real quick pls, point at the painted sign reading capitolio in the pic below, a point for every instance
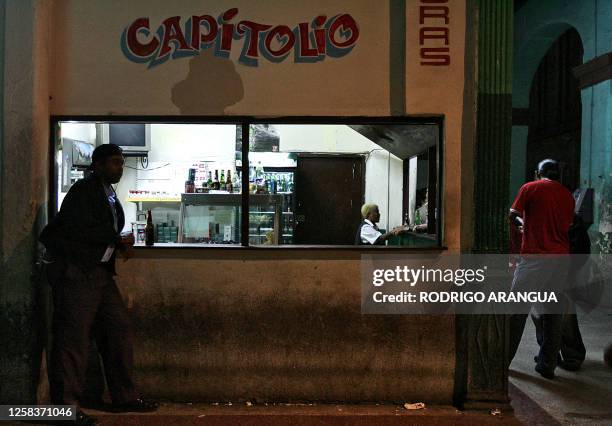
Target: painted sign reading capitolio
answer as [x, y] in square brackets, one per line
[307, 42]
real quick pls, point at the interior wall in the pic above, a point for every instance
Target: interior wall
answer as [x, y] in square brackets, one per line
[85, 132]
[384, 171]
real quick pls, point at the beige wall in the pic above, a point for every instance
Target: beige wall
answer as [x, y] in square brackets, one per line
[288, 327]
[88, 58]
[440, 90]
[92, 76]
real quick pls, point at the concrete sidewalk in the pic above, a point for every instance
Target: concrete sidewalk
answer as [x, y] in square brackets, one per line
[291, 414]
[582, 397]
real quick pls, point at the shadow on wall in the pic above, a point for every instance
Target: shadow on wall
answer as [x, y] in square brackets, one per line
[212, 85]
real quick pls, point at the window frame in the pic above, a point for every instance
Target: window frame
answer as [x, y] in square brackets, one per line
[245, 122]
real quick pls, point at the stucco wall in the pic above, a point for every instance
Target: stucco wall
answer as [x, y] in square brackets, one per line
[538, 24]
[286, 327]
[402, 357]
[24, 171]
[357, 84]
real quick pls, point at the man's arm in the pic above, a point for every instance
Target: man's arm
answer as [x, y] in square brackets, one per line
[518, 207]
[515, 218]
[387, 235]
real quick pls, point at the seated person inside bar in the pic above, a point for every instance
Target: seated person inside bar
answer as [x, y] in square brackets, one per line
[368, 233]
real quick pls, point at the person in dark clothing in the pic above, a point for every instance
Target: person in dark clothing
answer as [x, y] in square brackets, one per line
[81, 244]
[543, 211]
[573, 352]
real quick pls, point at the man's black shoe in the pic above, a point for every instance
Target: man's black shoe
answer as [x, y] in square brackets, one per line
[545, 372]
[570, 365]
[81, 419]
[138, 405]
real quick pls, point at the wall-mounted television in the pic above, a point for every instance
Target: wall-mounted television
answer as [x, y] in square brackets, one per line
[79, 152]
[133, 138]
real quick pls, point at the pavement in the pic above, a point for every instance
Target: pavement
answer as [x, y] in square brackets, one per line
[583, 397]
[300, 414]
[329, 414]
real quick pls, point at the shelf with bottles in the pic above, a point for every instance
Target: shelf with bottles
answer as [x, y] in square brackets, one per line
[138, 196]
[209, 178]
[270, 180]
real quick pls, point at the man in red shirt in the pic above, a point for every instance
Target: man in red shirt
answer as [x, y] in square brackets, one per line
[543, 211]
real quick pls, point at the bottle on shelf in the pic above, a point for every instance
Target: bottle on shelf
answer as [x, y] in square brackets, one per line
[259, 173]
[149, 230]
[222, 180]
[273, 184]
[209, 182]
[229, 184]
[237, 182]
[216, 184]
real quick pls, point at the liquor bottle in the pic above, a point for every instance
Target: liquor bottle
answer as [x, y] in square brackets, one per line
[209, 182]
[267, 183]
[237, 182]
[149, 230]
[259, 173]
[216, 184]
[222, 180]
[291, 186]
[273, 185]
[229, 184]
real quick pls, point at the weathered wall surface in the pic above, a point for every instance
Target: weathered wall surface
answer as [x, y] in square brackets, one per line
[538, 24]
[362, 83]
[199, 315]
[24, 191]
[285, 327]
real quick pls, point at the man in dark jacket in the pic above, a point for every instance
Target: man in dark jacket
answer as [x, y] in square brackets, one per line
[82, 242]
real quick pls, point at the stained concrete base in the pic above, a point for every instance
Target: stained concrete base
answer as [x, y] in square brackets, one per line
[315, 414]
[581, 397]
[308, 415]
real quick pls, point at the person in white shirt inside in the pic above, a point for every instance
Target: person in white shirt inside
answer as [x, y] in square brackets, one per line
[368, 233]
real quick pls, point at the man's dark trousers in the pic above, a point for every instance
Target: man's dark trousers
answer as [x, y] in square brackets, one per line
[573, 351]
[88, 304]
[540, 273]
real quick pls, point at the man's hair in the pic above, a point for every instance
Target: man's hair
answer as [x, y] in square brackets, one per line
[367, 208]
[102, 152]
[549, 169]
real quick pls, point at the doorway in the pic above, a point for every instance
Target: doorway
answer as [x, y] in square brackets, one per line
[555, 111]
[329, 193]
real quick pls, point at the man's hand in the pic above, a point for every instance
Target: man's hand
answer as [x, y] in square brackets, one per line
[398, 230]
[127, 239]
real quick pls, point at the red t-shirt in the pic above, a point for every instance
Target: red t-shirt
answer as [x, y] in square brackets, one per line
[547, 209]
